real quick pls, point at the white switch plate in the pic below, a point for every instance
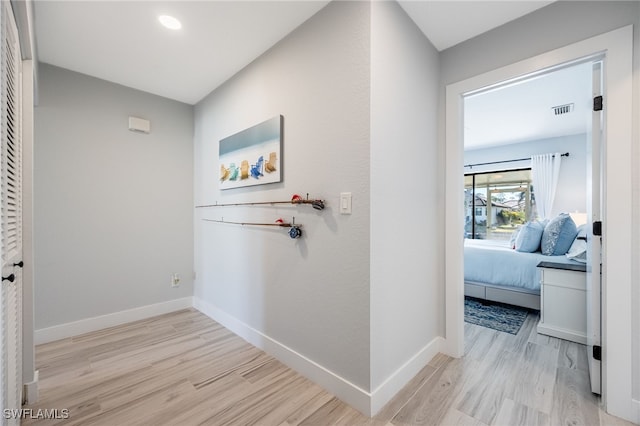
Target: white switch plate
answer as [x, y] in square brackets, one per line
[345, 203]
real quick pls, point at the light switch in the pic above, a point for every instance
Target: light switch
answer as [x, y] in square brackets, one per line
[345, 203]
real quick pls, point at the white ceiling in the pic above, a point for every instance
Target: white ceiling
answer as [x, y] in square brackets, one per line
[523, 111]
[122, 41]
[447, 23]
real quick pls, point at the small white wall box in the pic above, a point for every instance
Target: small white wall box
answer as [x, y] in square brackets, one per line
[139, 125]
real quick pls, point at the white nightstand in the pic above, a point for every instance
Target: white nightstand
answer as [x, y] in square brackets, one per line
[563, 303]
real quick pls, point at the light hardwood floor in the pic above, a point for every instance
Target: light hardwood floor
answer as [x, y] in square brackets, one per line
[185, 369]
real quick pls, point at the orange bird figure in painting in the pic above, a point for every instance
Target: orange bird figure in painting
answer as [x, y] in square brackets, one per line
[224, 173]
[270, 166]
[244, 169]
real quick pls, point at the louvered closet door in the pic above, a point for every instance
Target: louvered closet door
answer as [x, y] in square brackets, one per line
[11, 208]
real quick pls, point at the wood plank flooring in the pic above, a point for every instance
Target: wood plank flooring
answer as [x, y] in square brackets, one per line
[185, 369]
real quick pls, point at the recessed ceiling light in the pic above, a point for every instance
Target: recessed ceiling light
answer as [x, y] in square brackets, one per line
[170, 22]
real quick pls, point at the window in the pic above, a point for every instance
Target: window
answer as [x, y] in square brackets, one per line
[501, 201]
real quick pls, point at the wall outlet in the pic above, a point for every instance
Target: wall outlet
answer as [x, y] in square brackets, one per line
[175, 280]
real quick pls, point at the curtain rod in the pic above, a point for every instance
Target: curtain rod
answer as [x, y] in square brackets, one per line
[566, 154]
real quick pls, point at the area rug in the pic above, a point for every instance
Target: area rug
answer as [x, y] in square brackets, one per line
[498, 316]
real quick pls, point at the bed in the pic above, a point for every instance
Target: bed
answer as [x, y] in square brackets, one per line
[494, 271]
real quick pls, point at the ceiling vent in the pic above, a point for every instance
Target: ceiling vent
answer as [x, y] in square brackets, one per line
[562, 109]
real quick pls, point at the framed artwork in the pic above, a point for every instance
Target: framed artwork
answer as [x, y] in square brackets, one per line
[252, 156]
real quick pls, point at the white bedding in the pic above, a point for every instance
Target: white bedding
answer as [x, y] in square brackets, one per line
[494, 262]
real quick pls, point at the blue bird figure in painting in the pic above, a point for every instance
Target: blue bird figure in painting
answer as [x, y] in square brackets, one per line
[256, 169]
[233, 171]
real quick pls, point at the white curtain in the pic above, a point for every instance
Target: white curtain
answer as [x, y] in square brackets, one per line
[545, 169]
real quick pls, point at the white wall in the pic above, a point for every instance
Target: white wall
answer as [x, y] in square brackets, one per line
[308, 296]
[112, 208]
[406, 263]
[556, 25]
[572, 188]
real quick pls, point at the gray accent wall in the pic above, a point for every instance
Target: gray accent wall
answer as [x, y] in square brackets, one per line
[357, 85]
[310, 295]
[112, 208]
[406, 263]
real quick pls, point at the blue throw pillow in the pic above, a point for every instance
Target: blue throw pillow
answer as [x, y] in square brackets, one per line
[512, 240]
[558, 235]
[528, 239]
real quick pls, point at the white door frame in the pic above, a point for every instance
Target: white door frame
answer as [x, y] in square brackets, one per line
[617, 48]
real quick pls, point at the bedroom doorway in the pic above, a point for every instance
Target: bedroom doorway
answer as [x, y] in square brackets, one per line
[616, 177]
[505, 127]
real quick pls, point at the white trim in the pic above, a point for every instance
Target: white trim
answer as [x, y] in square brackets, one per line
[30, 393]
[62, 331]
[364, 401]
[617, 47]
[394, 383]
[340, 387]
[360, 399]
[636, 411]
[454, 217]
[562, 333]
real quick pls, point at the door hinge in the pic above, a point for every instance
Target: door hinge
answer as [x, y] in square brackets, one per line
[597, 103]
[597, 353]
[597, 228]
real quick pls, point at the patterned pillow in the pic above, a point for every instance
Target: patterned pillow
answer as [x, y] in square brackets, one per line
[528, 239]
[558, 235]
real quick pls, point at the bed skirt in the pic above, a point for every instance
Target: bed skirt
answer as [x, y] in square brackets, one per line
[513, 296]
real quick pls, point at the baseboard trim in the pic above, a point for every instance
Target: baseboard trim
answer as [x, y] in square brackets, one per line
[348, 392]
[360, 399]
[62, 331]
[562, 333]
[30, 390]
[394, 383]
[636, 411]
